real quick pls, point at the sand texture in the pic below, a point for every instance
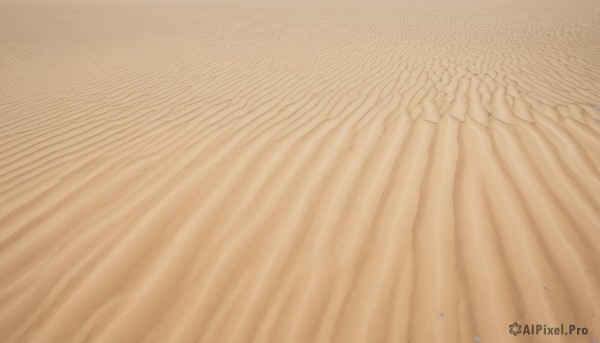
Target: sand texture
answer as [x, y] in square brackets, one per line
[370, 171]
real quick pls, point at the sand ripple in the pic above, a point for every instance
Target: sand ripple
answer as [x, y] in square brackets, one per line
[343, 173]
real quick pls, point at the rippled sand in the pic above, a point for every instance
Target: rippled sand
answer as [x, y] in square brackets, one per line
[330, 172]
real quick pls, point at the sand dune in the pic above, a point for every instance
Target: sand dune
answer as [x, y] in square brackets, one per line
[325, 172]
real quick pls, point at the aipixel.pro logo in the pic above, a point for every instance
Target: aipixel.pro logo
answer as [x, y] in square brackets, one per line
[516, 329]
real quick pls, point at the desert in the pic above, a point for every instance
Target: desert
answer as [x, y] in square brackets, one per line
[299, 171]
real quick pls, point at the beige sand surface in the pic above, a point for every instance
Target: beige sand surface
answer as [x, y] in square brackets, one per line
[420, 171]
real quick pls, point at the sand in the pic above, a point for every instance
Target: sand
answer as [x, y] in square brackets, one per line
[364, 171]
